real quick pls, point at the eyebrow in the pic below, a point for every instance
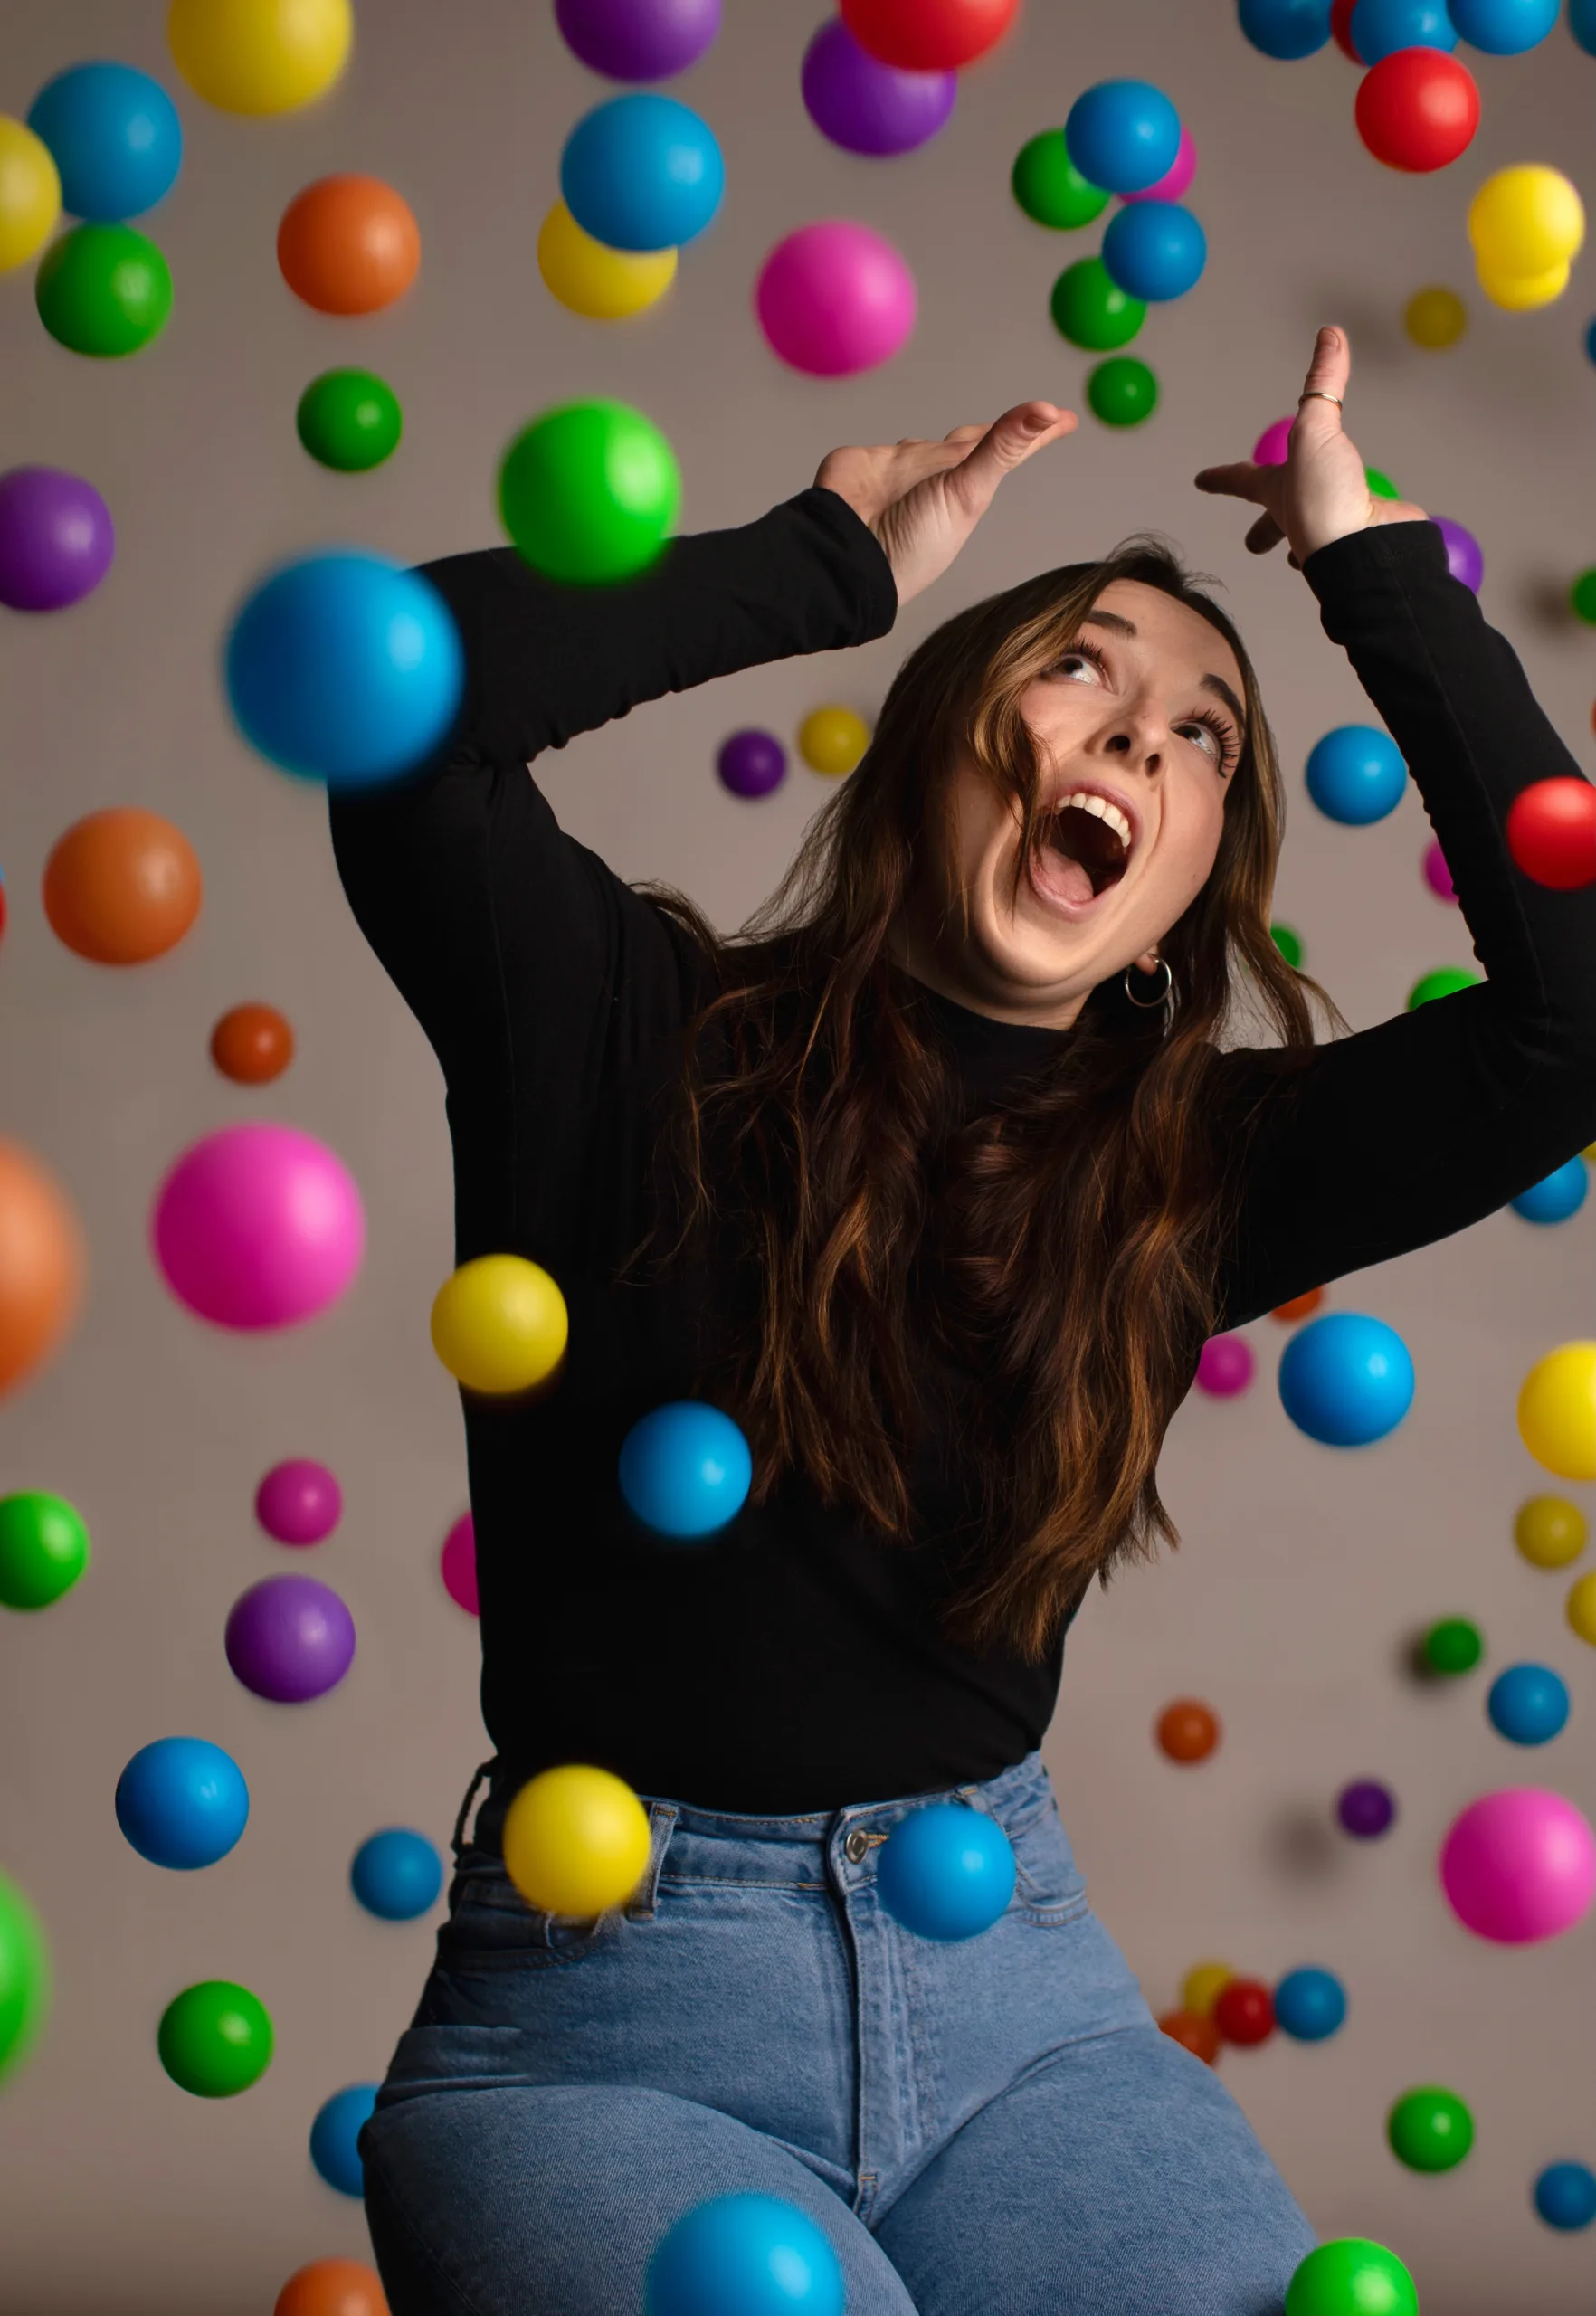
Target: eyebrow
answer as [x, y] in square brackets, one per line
[1215, 683]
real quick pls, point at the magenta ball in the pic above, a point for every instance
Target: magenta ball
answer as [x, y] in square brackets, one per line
[56, 539]
[1225, 1367]
[1519, 1866]
[258, 1226]
[1172, 183]
[1464, 556]
[458, 1563]
[834, 299]
[866, 106]
[638, 40]
[298, 1501]
[290, 1638]
[1438, 876]
[750, 763]
[1272, 444]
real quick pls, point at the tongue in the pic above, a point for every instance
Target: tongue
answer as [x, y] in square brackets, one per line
[1070, 879]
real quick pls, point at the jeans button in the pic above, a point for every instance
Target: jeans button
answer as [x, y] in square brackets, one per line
[856, 1846]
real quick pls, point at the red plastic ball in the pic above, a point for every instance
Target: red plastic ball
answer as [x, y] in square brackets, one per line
[928, 35]
[1340, 15]
[1551, 832]
[1418, 108]
[1244, 2011]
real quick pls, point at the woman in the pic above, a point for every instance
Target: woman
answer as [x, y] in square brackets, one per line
[937, 1181]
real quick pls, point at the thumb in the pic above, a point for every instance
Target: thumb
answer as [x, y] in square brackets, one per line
[1006, 444]
[1318, 415]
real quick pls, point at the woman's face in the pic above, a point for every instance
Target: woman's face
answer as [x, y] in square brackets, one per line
[1142, 725]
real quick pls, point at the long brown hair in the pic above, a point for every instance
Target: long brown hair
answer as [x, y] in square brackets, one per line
[1061, 1249]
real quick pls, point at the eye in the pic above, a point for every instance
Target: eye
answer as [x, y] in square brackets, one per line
[1218, 739]
[1080, 658]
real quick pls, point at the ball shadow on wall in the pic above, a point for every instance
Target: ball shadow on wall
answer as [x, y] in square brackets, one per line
[1299, 1843]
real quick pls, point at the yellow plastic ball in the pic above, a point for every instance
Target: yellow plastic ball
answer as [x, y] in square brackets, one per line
[30, 192]
[499, 1325]
[1202, 1987]
[1582, 1608]
[576, 1841]
[1525, 219]
[1435, 318]
[588, 277]
[1550, 1531]
[1557, 1412]
[832, 739]
[1521, 293]
[260, 56]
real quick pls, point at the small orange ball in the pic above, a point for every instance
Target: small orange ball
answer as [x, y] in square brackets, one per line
[1188, 1730]
[40, 1264]
[332, 2288]
[1193, 2033]
[122, 887]
[349, 245]
[252, 1044]
[1301, 1306]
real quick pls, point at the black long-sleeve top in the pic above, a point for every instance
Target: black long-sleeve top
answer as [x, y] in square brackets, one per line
[795, 1663]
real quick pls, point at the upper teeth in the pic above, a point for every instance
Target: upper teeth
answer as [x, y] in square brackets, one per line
[1102, 809]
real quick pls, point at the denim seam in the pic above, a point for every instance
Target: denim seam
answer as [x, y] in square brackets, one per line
[731, 1881]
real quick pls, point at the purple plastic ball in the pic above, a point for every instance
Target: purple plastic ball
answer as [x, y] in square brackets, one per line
[1465, 558]
[1366, 1809]
[869, 107]
[56, 538]
[1225, 1367]
[298, 1501]
[1438, 876]
[290, 1638]
[750, 763]
[638, 40]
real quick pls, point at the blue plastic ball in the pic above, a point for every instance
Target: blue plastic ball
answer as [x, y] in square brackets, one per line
[345, 668]
[945, 1871]
[1309, 2004]
[1565, 2195]
[1581, 23]
[1123, 135]
[1556, 1195]
[396, 1874]
[745, 2255]
[1155, 250]
[1287, 29]
[1380, 27]
[182, 1802]
[1356, 776]
[1504, 27]
[1346, 1380]
[685, 1469]
[641, 172]
[115, 137]
[1527, 1704]
[334, 2137]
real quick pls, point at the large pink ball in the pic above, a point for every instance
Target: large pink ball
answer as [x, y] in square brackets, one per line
[1225, 1367]
[833, 298]
[258, 1226]
[1177, 177]
[1519, 1866]
[1272, 444]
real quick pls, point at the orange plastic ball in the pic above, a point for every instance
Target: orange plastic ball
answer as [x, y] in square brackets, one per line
[332, 2288]
[1301, 1306]
[1193, 2033]
[41, 1265]
[122, 887]
[349, 245]
[1188, 1730]
[252, 1044]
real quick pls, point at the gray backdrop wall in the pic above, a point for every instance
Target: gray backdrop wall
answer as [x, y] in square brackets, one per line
[1304, 1572]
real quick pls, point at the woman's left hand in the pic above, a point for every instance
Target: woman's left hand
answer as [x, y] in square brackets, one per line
[1320, 493]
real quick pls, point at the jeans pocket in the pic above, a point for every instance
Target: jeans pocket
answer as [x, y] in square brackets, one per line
[492, 1927]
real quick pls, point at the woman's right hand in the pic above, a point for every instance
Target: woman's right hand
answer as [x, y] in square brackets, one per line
[923, 499]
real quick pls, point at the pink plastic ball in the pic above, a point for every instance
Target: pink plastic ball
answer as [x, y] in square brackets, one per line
[1272, 444]
[258, 1226]
[1438, 876]
[834, 299]
[1519, 1866]
[298, 1501]
[458, 1563]
[1225, 1367]
[1172, 183]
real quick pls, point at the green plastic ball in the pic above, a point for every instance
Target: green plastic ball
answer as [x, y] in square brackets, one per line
[24, 1976]
[1445, 981]
[349, 420]
[1429, 2129]
[103, 290]
[1289, 943]
[1581, 597]
[1091, 311]
[1122, 391]
[1381, 485]
[216, 2039]
[1351, 2277]
[1453, 1645]
[43, 1548]
[589, 492]
[1050, 187]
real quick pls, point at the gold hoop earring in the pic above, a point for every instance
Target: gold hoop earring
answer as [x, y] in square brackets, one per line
[1165, 996]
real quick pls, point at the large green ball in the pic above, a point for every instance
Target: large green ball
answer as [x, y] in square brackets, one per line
[216, 2039]
[1381, 486]
[1089, 309]
[1453, 1645]
[589, 492]
[24, 1976]
[1050, 187]
[1289, 943]
[1351, 2277]
[43, 1548]
[1429, 2129]
[1445, 981]
[349, 420]
[1122, 391]
[103, 290]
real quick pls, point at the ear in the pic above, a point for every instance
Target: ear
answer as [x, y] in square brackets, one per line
[1148, 962]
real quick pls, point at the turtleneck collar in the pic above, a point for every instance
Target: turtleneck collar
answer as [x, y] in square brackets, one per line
[991, 1056]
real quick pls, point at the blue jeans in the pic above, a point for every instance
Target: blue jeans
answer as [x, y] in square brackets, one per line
[989, 2129]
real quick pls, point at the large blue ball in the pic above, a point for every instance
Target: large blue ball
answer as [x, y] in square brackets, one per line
[945, 1871]
[334, 2137]
[745, 2255]
[1155, 250]
[1504, 27]
[1309, 2004]
[1556, 1195]
[345, 668]
[396, 1874]
[182, 1802]
[1123, 135]
[641, 172]
[1581, 23]
[1346, 1380]
[1565, 2195]
[1287, 29]
[1527, 1704]
[685, 1469]
[1380, 27]
[115, 137]
[1356, 776]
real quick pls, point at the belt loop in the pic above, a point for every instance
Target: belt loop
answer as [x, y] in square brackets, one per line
[458, 1840]
[640, 1906]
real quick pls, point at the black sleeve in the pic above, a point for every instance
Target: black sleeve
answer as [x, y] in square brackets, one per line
[1414, 1129]
[534, 972]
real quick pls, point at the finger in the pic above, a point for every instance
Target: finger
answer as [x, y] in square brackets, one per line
[1242, 480]
[1328, 374]
[963, 434]
[1013, 438]
[1264, 534]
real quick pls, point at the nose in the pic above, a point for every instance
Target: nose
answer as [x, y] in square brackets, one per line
[1141, 739]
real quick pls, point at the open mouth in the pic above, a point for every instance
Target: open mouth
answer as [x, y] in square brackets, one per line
[1086, 847]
